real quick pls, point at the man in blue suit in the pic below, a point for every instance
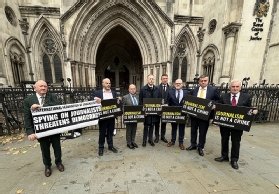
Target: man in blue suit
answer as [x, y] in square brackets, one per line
[207, 92]
[175, 98]
[106, 127]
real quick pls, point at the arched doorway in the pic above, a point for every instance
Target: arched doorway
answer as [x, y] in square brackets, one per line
[119, 58]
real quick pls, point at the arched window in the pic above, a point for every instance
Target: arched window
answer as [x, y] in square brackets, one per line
[184, 69]
[47, 69]
[208, 63]
[17, 63]
[57, 68]
[175, 69]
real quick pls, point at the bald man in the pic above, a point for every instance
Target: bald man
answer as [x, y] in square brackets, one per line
[131, 99]
[106, 127]
[31, 103]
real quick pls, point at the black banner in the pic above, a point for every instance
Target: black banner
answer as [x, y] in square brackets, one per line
[152, 106]
[235, 117]
[197, 107]
[172, 114]
[133, 114]
[111, 108]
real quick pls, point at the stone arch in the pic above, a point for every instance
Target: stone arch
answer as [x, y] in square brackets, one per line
[95, 20]
[39, 31]
[187, 35]
[210, 56]
[15, 55]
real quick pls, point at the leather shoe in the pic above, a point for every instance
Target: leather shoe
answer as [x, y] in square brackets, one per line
[101, 152]
[181, 146]
[191, 148]
[164, 139]
[60, 167]
[144, 144]
[200, 151]
[130, 146]
[113, 149]
[170, 144]
[47, 171]
[234, 164]
[151, 143]
[135, 145]
[222, 159]
[156, 140]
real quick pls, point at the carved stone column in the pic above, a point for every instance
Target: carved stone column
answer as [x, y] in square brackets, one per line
[230, 32]
[145, 73]
[93, 73]
[200, 35]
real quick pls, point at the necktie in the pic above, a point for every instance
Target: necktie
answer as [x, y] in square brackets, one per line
[135, 102]
[42, 100]
[202, 93]
[164, 88]
[234, 100]
[178, 95]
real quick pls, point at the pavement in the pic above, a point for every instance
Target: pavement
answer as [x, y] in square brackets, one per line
[158, 169]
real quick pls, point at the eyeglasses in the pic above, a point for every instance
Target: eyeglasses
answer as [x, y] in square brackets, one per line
[178, 83]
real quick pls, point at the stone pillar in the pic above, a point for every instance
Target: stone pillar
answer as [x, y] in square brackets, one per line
[77, 75]
[230, 32]
[157, 70]
[145, 73]
[93, 73]
[117, 77]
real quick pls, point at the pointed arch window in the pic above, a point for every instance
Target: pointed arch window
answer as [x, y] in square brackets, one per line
[17, 63]
[208, 64]
[52, 64]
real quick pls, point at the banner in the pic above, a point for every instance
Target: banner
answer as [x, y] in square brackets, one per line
[111, 108]
[197, 107]
[172, 114]
[61, 118]
[133, 114]
[152, 106]
[235, 117]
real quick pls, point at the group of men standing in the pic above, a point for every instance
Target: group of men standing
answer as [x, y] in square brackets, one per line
[171, 96]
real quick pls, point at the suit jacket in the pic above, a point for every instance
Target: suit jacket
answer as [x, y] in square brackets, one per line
[211, 93]
[50, 100]
[99, 94]
[164, 94]
[172, 100]
[243, 100]
[127, 100]
[145, 92]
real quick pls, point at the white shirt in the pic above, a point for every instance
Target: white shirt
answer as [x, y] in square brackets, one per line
[236, 97]
[180, 94]
[107, 94]
[39, 98]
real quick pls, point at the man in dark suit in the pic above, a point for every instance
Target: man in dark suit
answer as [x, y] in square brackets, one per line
[234, 98]
[163, 89]
[31, 103]
[207, 92]
[106, 126]
[131, 99]
[175, 98]
[149, 91]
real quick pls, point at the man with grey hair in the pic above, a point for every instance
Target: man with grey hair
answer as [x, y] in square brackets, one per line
[234, 98]
[31, 103]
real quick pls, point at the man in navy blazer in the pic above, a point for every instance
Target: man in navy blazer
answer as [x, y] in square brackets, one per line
[234, 98]
[106, 127]
[175, 98]
[163, 90]
[207, 92]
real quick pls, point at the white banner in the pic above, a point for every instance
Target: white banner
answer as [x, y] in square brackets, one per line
[61, 118]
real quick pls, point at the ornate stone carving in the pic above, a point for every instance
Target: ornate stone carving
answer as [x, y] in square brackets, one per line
[200, 34]
[231, 29]
[38, 10]
[261, 8]
[24, 26]
[212, 26]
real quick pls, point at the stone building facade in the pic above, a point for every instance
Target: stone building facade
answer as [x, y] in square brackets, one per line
[87, 40]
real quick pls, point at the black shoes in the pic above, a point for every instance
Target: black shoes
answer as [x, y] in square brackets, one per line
[130, 146]
[101, 152]
[164, 139]
[113, 149]
[60, 167]
[191, 148]
[144, 144]
[170, 144]
[135, 145]
[234, 165]
[156, 140]
[200, 151]
[222, 159]
[47, 171]
[151, 143]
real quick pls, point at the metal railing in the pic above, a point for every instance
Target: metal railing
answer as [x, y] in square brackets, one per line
[265, 98]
